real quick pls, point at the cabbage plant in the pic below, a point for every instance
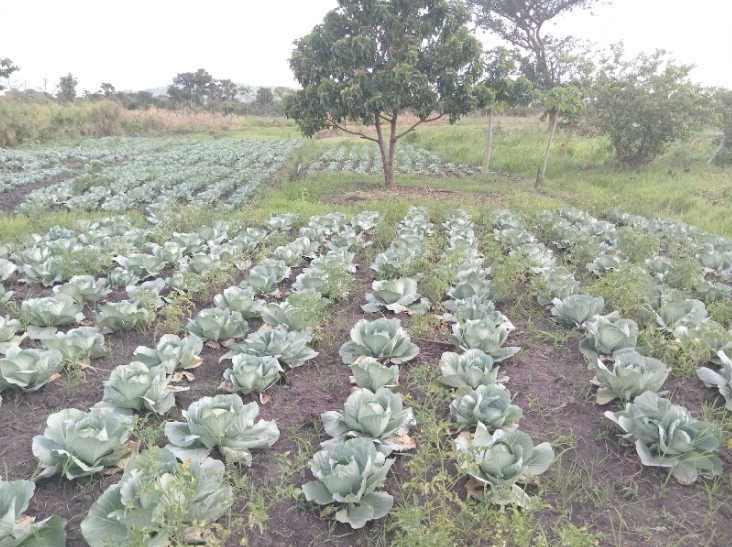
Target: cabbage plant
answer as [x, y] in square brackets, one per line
[28, 369]
[288, 347]
[474, 308]
[190, 244]
[503, 459]
[78, 444]
[51, 311]
[281, 222]
[558, 283]
[170, 251]
[576, 309]
[251, 373]
[631, 375]
[172, 352]
[218, 324]
[721, 379]
[159, 502]
[372, 375]
[119, 277]
[122, 316]
[489, 405]
[85, 289]
[289, 316]
[347, 476]
[605, 264]
[667, 435]
[223, 421]
[685, 313]
[137, 386]
[471, 369]
[8, 329]
[378, 416]
[608, 334]
[484, 289]
[77, 345]
[5, 296]
[147, 294]
[482, 335]
[47, 272]
[398, 295]
[142, 265]
[19, 531]
[380, 339]
[7, 268]
[241, 299]
[262, 280]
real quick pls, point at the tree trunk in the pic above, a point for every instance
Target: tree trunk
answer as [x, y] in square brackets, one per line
[722, 146]
[540, 174]
[489, 145]
[553, 117]
[388, 173]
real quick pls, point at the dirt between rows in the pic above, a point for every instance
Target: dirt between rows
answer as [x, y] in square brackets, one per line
[550, 383]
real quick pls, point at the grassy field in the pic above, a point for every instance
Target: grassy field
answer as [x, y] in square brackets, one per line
[595, 493]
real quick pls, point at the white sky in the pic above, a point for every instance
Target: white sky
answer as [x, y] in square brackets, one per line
[140, 44]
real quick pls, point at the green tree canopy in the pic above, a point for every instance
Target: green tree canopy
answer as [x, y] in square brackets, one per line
[7, 68]
[372, 60]
[66, 88]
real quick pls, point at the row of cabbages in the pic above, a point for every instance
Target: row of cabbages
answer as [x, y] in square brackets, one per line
[677, 311]
[493, 451]
[373, 424]
[184, 169]
[405, 255]
[365, 158]
[665, 435]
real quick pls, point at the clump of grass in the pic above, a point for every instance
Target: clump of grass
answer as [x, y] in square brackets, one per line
[684, 274]
[626, 290]
[721, 312]
[637, 245]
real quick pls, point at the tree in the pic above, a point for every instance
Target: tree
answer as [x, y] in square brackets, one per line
[66, 88]
[644, 104]
[372, 60]
[281, 92]
[499, 90]
[192, 88]
[265, 97]
[108, 91]
[7, 68]
[548, 61]
[557, 101]
[722, 107]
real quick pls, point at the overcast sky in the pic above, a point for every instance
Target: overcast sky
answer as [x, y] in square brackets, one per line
[140, 44]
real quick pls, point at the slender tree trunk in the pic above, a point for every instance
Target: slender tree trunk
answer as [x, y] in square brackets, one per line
[489, 146]
[388, 174]
[722, 146]
[540, 174]
[553, 117]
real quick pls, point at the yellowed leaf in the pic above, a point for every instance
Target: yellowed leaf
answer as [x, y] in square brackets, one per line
[475, 489]
[23, 522]
[225, 387]
[264, 398]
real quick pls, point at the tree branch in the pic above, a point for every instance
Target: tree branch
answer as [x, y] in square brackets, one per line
[357, 133]
[428, 120]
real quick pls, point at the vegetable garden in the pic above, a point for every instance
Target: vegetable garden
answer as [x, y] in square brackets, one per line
[285, 371]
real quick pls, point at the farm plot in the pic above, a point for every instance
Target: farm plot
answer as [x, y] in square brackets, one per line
[120, 174]
[345, 379]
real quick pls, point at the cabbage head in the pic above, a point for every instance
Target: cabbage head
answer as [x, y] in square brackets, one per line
[484, 289]
[502, 460]
[606, 335]
[8, 329]
[16, 531]
[288, 347]
[685, 313]
[241, 299]
[85, 289]
[289, 316]
[482, 335]
[398, 295]
[218, 324]
[378, 416]
[122, 316]
[28, 369]
[78, 345]
[141, 265]
[78, 444]
[348, 475]
[380, 339]
[489, 405]
[172, 352]
[372, 375]
[469, 370]
[51, 311]
[249, 373]
[721, 379]
[223, 421]
[667, 435]
[631, 375]
[158, 501]
[576, 309]
[137, 386]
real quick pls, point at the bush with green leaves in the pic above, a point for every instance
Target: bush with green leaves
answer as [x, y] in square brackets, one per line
[576, 309]
[489, 405]
[241, 299]
[159, 501]
[721, 379]
[371, 374]
[667, 435]
[681, 313]
[78, 444]
[251, 373]
[218, 324]
[17, 531]
[501, 460]
[483, 335]
[398, 295]
[141, 265]
[223, 421]
[381, 339]
[122, 316]
[172, 352]
[51, 311]
[378, 416]
[347, 476]
[288, 347]
[631, 375]
[85, 289]
[137, 386]
[470, 370]
[28, 369]
[608, 334]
